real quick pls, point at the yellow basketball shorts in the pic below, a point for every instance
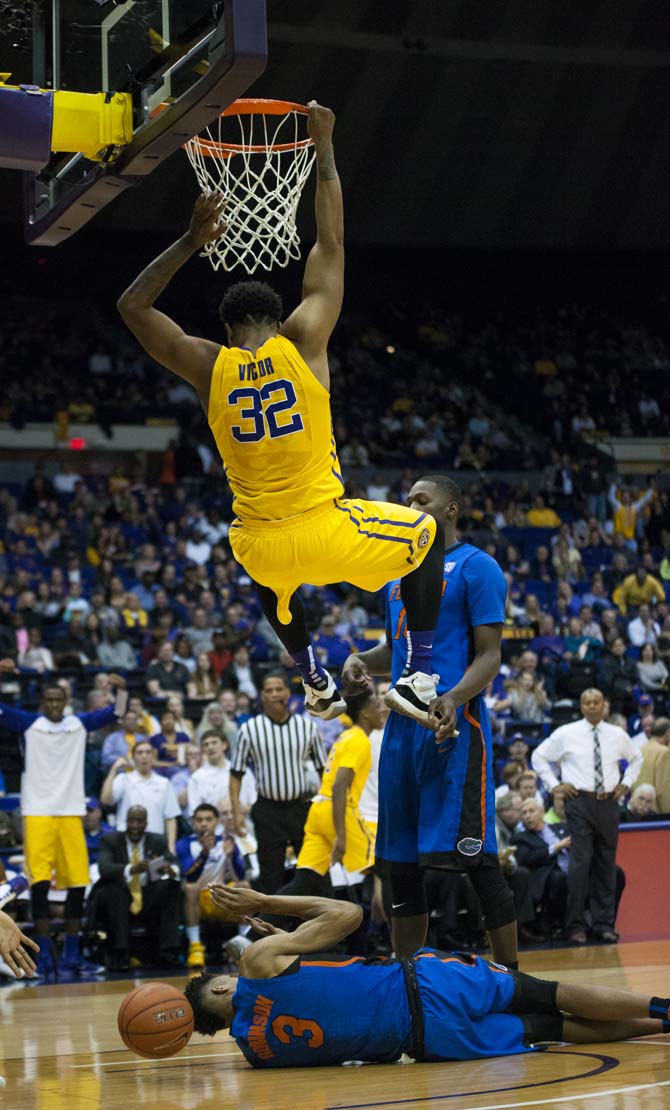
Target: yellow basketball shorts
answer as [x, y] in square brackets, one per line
[367, 543]
[56, 844]
[210, 912]
[320, 837]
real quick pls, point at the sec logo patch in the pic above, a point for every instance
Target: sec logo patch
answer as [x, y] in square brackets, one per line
[423, 538]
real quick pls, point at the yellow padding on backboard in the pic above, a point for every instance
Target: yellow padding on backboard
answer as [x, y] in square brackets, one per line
[85, 123]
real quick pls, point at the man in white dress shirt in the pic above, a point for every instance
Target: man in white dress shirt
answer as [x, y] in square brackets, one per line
[142, 787]
[211, 782]
[588, 753]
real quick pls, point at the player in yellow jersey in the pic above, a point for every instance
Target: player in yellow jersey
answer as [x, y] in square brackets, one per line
[266, 395]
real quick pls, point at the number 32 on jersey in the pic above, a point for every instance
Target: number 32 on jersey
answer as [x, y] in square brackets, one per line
[265, 411]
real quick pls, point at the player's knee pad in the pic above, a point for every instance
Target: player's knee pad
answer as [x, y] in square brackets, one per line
[408, 893]
[39, 896]
[495, 897]
[74, 902]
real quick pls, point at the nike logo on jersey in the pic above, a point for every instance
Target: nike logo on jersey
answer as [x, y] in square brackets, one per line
[398, 905]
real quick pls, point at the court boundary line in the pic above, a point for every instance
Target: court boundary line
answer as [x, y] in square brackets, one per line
[573, 1097]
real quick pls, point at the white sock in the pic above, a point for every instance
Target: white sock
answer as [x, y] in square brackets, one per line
[193, 934]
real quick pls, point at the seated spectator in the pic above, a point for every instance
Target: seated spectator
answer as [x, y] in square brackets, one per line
[641, 805]
[121, 743]
[655, 769]
[114, 652]
[652, 672]
[518, 750]
[331, 648]
[221, 655]
[643, 629]
[531, 614]
[640, 588]
[580, 645]
[147, 724]
[644, 724]
[610, 627]
[541, 516]
[240, 676]
[215, 719]
[211, 783]
[616, 677]
[555, 815]
[528, 787]
[135, 618]
[70, 647]
[164, 676]
[590, 626]
[567, 561]
[528, 699]
[75, 602]
[511, 773]
[203, 685]
[36, 656]
[508, 818]
[170, 744]
[596, 596]
[543, 849]
[199, 634]
[541, 566]
[175, 703]
[129, 891]
[183, 652]
[549, 647]
[142, 786]
[198, 548]
[94, 828]
[205, 857]
[180, 779]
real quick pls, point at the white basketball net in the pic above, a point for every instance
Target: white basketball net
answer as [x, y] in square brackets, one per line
[262, 188]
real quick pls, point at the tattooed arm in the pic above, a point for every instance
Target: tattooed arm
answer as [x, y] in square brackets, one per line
[189, 357]
[312, 322]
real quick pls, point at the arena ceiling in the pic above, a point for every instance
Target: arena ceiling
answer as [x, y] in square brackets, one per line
[478, 123]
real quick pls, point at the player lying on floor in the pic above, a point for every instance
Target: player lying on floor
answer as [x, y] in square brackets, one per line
[291, 1007]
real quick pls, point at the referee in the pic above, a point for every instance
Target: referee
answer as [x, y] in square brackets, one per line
[279, 746]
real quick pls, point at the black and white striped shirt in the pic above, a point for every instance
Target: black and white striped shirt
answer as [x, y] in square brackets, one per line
[279, 753]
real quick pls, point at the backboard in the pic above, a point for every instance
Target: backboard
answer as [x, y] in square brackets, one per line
[183, 61]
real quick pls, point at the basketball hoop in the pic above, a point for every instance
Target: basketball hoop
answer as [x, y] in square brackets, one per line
[261, 176]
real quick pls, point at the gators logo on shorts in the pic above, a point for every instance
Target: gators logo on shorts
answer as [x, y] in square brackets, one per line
[468, 846]
[423, 538]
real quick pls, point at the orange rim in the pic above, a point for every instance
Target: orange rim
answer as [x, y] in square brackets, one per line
[210, 148]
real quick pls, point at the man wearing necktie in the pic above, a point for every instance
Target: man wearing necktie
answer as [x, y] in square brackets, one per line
[588, 752]
[131, 892]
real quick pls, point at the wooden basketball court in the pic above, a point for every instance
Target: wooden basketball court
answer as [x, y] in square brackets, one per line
[62, 1051]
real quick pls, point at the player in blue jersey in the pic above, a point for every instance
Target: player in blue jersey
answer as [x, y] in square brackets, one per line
[293, 1007]
[436, 789]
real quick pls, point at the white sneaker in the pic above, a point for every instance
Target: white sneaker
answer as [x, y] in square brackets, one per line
[326, 703]
[235, 947]
[12, 888]
[412, 694]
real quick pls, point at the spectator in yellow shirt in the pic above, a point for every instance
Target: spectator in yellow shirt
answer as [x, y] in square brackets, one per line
[541, 516]
[626, 510]
[640, 588]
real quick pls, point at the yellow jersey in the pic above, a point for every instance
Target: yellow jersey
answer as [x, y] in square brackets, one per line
[270, 417]
[351, 749]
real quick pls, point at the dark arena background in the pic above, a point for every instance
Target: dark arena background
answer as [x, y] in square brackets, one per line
[506, 322]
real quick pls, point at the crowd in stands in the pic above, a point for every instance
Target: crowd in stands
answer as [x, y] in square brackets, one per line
[464, 391]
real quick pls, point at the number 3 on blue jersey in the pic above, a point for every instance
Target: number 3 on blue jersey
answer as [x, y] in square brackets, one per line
[266, 417]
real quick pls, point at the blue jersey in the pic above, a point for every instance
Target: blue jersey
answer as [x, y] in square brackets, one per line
[437, 805]
[474, 593]
[325, 1010]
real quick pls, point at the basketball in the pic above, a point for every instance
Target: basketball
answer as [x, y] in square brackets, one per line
[155, 1020]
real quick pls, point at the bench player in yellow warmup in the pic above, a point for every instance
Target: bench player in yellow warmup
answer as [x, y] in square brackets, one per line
[266, 396]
